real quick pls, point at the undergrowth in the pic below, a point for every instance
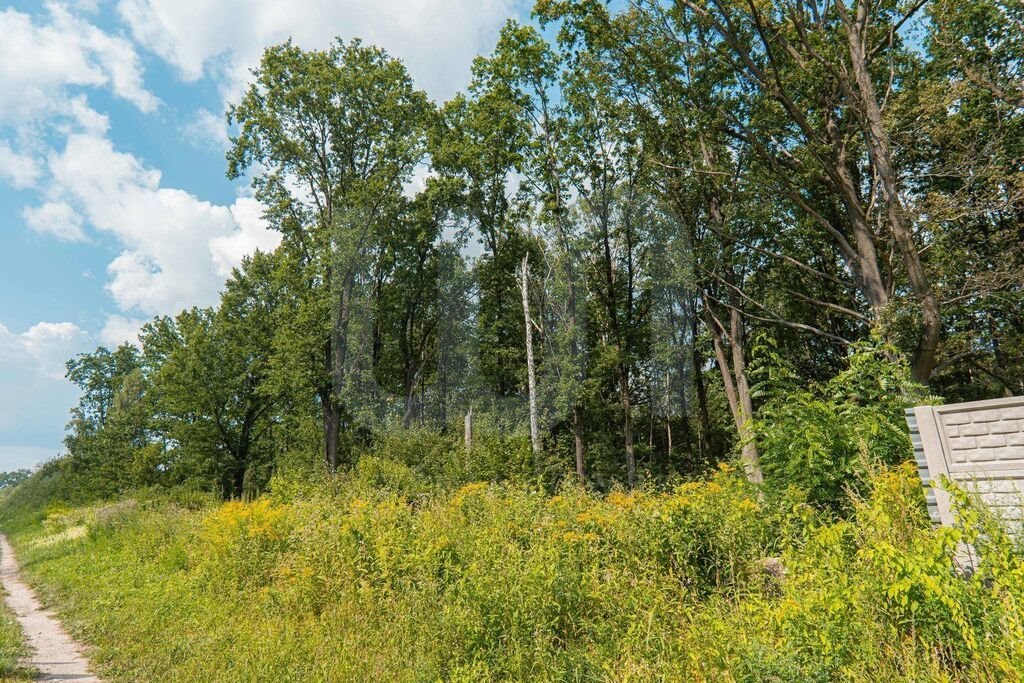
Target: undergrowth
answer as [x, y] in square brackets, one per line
[371, 578]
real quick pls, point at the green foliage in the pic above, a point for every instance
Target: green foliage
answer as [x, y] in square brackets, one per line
[373, 577]
[442, 460]
[820, 438]
[10, 479]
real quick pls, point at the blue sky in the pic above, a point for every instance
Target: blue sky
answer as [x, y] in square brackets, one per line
[113, 202]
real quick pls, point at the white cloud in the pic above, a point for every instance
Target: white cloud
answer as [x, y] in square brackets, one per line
[20, 170]
[437, 39]
[57, 219]
[206, 129]
[84, 117]
[40, 57]
[46, 346]
[227, 252]
[177, 248]
[119, 329]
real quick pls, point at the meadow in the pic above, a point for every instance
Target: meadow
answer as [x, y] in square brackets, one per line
[373, 575]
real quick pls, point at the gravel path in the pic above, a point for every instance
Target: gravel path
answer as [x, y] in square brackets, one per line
[54, 653]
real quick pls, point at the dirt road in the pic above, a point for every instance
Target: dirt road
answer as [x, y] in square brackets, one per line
[54, 653]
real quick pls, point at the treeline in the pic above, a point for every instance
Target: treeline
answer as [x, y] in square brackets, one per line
[643, 239]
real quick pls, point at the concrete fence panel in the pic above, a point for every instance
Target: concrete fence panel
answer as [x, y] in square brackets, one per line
[979, 445]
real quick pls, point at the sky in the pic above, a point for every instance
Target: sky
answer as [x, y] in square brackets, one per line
[114, 206]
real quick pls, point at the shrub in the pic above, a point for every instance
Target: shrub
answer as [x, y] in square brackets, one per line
[820, 438]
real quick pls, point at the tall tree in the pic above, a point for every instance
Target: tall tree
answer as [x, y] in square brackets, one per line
[334, 135]
[533, 71]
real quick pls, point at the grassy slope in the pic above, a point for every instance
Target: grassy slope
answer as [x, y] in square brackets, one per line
[492, 583]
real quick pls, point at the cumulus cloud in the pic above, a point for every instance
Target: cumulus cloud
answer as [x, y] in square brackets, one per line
[35, 396]
[119, 329]
[177, 247]
[437, 39]
[206, 129]
[45, 346]
[20, 170]
[51, 344]
[57, 219]
[252, 235]
[41, 56]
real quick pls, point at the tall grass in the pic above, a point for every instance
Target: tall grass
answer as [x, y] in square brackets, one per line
[374, 579]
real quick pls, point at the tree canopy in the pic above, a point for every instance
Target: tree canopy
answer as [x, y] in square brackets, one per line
[646, 238]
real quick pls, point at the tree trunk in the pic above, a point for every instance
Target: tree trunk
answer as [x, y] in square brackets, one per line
[329, 411]
[577, 430]
[882, 160]
[531, 379]
[332, 427]
[751, 458]
[704, 415]
[574, 355]
[337, 362]
[627, 425]
[737, 393]
[668, 439]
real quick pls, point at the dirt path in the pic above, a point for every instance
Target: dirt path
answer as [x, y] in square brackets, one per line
[55, 654]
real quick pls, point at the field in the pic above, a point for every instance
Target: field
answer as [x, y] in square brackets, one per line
[363, 579]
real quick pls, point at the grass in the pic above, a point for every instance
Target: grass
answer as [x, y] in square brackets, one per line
[12, 648]
[364, 580]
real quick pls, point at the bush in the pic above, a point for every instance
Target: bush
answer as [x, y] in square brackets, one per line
[820, 439]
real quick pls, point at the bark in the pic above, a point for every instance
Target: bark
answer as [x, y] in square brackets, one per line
[738, 396]
[524, 286]
[554, 183]
[621, 368]
[577, 430]
[332, 427]
[627, 425]
[734, 375]
[574, 355]
[668, 439]
[336, 360]
[704, 415]
[329, 410]
[882, 160]
[749, 452]
[864, 263]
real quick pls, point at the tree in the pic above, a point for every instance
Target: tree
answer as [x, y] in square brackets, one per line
[338, 133]
[478, 145]
[99, 375]
[110, 424]
[408, 299]
[207, 369]
[12, 479]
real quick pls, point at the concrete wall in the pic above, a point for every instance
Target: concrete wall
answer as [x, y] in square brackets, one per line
[979, 445]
